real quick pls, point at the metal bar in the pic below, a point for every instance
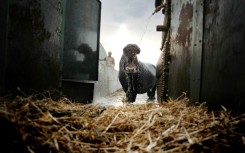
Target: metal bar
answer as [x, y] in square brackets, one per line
[197, 41]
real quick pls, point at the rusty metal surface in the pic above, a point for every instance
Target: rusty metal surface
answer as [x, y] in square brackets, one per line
[186, 48]
[181, 45]
[207, 52]
[223, 75]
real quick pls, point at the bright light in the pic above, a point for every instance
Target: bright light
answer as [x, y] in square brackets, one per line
[118, 39]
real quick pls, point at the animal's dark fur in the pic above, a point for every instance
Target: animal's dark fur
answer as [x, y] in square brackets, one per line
[136, 77]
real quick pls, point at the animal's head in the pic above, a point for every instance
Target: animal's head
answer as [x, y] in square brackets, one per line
[131, 64]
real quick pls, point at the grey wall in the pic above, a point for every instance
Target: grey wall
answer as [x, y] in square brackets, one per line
[108, 81]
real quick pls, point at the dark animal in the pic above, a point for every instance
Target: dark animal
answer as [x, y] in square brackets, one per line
[136, 77]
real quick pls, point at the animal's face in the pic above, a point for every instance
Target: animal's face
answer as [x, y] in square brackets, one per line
[131, 62]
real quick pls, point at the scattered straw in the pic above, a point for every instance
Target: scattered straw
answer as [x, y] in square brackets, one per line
[62, 126]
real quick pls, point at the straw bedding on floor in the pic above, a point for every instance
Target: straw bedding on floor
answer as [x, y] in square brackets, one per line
[46, 125]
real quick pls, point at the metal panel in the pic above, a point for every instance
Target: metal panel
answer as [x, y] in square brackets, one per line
[81, 45]
[81, 49]
[181, 46]
[33, 53]
[186, 48]
[36, 35]
[224, 54]
[196, 52]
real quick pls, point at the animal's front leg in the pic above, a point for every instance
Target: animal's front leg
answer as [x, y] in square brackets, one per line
[130, 80]
[131, 93]
[151, 94]
[131, 96]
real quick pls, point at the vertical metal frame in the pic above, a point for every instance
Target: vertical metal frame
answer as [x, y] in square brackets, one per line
[196, 52]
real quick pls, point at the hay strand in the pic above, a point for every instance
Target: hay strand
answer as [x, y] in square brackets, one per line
[176, 126]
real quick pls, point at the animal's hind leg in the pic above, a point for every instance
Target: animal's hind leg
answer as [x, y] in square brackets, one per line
[131, 96]
[151, 93]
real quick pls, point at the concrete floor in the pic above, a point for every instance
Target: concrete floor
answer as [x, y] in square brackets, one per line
[116, 99]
